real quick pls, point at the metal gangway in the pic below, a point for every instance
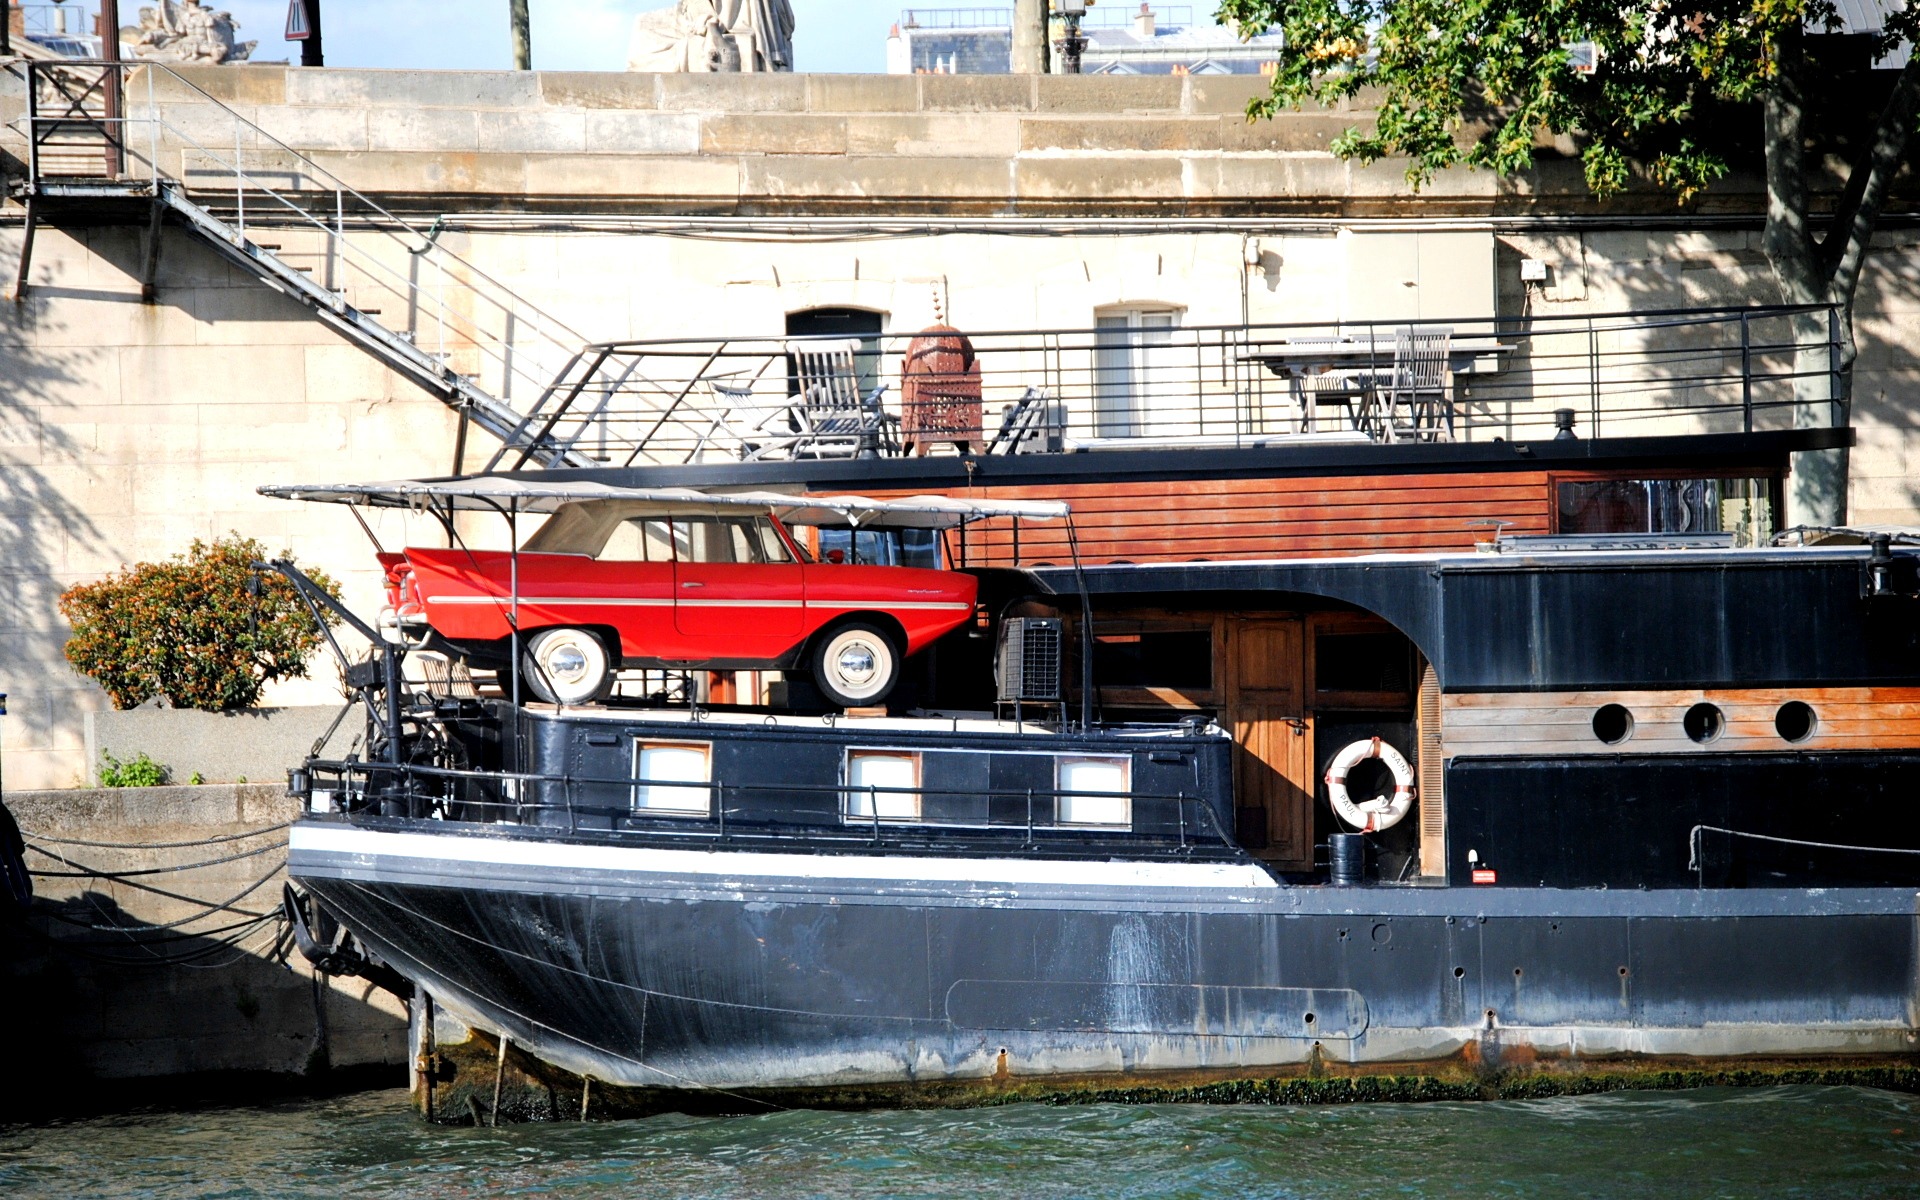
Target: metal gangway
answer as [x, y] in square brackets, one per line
[139, 142]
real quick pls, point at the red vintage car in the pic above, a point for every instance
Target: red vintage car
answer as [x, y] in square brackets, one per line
[611, 583]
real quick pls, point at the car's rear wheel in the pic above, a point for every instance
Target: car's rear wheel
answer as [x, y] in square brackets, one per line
[567, 666]
[856, 663]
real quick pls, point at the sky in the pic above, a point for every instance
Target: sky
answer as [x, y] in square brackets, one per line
[568, 35]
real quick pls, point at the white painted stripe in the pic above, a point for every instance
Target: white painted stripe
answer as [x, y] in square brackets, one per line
[628, 602]
[737, 865]
[889, 605]
[640, 602]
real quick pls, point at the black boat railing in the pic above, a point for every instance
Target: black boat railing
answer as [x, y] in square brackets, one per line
[1707, 370]
[736, 812]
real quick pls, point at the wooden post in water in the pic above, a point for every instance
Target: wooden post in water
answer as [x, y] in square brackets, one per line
[499, 1077]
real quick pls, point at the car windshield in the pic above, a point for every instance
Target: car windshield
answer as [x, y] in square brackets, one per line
[881, 547]
[623, 532]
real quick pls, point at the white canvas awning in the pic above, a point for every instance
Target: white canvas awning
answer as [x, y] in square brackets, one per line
[508, 495]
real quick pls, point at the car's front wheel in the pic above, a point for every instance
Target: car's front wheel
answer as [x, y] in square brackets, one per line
[855, 664]
[567, 666]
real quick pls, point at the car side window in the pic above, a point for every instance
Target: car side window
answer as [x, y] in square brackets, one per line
[638, 539]
[772, 548]
[716, 540]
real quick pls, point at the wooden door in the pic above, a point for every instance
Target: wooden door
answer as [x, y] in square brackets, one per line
[1266, 711]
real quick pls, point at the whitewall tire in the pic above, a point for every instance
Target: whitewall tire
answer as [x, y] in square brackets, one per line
[567, 666]
[856, 664]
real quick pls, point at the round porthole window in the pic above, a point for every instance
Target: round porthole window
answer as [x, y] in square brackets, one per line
[1612, 724]
[1796, 721]
[1704, 722]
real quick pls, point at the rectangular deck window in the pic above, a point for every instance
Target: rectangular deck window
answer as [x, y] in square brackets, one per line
[882, 783]
[674, 777]
[1094, 792]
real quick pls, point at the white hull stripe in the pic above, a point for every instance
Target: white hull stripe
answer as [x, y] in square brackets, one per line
[372, 844]
[669, 602]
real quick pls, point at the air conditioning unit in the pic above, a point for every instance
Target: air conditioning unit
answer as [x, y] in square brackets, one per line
[1028, 665]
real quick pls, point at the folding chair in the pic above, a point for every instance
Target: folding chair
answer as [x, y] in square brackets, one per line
[1417, 403]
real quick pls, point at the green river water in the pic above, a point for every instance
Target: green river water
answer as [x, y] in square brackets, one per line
[1764, 1142]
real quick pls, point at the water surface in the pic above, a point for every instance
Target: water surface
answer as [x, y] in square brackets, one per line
[1716, 1142]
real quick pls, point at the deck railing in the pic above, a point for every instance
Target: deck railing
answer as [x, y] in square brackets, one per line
[1720, 370]
[735, 812]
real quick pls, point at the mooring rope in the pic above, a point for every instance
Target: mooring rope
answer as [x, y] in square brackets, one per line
[83, 871]
[225, 837]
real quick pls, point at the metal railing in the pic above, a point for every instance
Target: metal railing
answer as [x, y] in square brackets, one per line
[96, 128]
[1720, 370]
[1171, 16]
[734, 812]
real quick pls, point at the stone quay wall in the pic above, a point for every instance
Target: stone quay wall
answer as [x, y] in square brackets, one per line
[98, 1011]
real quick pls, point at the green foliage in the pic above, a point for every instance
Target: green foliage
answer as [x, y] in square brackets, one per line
[138, 771]
[1481, 81]
[196, 779]
[188, 629]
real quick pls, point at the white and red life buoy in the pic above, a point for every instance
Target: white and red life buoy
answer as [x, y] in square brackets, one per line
[1381, 812]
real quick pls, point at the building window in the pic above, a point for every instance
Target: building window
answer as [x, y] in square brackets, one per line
[883, 784]
[1137, 377]
[673, 777]
[1094, 792]
[841, 323]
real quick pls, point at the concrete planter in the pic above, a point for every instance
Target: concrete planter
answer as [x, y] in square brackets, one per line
[256, 744]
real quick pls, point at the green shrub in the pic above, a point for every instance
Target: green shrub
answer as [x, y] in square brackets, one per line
[187, 629]
[138, 771]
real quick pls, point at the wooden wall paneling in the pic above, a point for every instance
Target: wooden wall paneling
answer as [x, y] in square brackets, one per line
[1558, 724]
[1184, 520]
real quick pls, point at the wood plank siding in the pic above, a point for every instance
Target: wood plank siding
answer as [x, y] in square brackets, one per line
[1560, 724]
[1214, 519]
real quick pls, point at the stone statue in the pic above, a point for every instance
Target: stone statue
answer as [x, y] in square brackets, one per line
[183, 31]
[714, 35]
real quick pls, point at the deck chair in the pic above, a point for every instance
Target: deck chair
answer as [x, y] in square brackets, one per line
[744, 423]
[750, 426]
[1416, 405]
[835, 419]
[1030, 419]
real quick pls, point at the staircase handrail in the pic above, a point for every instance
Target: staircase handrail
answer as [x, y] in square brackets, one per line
[542, 326]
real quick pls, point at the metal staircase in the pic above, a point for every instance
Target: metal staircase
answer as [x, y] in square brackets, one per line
[127, 142]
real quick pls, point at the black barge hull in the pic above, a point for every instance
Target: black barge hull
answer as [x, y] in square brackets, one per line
[716, 969]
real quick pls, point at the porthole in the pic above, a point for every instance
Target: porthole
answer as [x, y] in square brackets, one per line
[1612, 724]
[1796, 721]
[1704, 722]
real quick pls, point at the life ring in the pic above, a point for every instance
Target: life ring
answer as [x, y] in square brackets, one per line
[1369, 816]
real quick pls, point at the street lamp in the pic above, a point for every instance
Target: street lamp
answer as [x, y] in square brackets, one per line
[1072, 44]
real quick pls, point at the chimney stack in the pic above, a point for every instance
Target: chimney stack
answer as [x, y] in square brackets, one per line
[1143, 21]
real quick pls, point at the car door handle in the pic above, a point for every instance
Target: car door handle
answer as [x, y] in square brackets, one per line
[693, 585]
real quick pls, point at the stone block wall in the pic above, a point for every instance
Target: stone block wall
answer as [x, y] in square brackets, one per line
[96, 1010]
[758, 144]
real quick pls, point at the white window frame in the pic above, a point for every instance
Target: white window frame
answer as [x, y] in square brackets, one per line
[857, 805]
[1132, 353]
[672, 797]
[1083, 809]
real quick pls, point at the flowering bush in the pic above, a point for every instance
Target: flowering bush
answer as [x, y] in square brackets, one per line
[189, 630]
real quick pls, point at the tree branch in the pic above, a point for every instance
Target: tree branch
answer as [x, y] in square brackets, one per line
[1844, 249]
